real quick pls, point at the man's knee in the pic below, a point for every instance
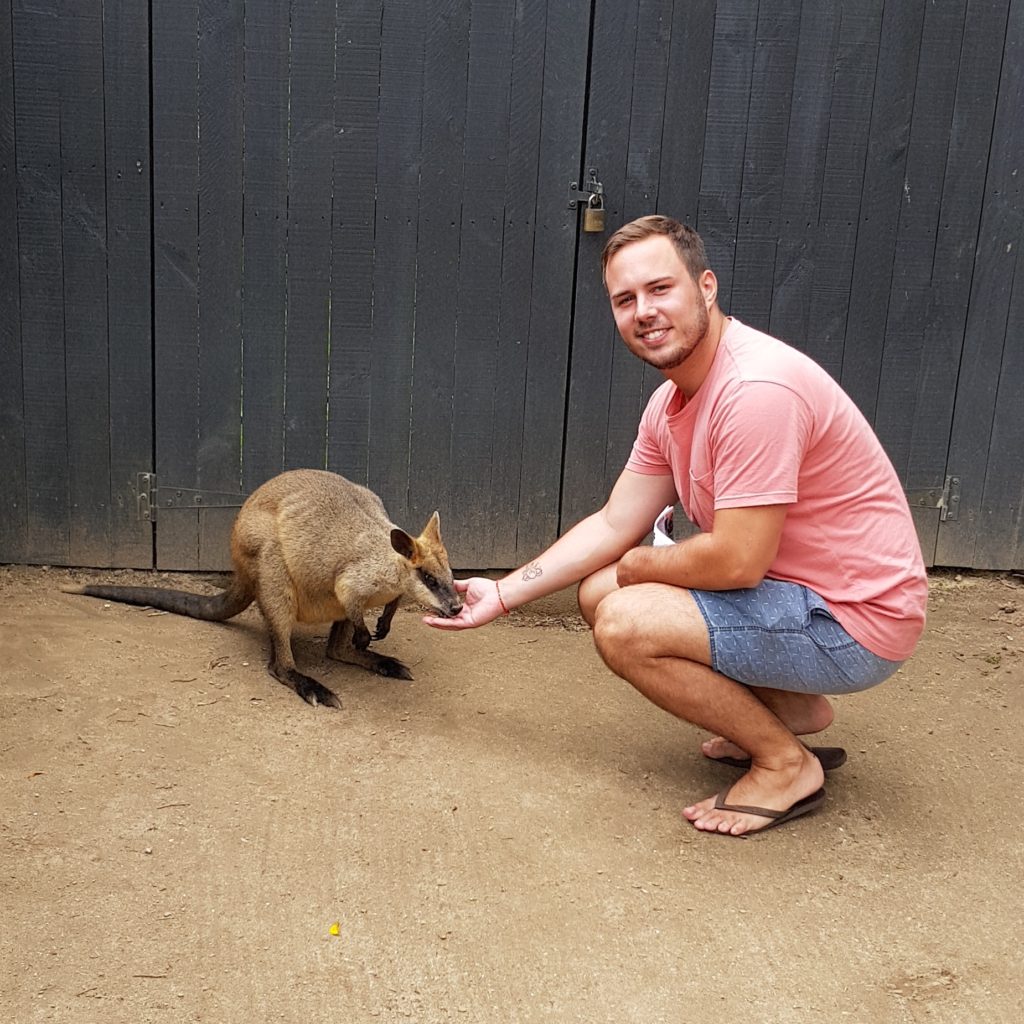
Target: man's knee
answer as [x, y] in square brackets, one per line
[615, 628]
[649, 621]
[594, 589]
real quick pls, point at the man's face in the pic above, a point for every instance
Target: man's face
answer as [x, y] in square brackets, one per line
[661, 312]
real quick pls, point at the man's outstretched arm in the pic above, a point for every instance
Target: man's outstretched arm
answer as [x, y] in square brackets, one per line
[597, 541]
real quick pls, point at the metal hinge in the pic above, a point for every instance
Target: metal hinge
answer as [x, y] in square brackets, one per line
[947, 501]
[592, 190]
[150, 498]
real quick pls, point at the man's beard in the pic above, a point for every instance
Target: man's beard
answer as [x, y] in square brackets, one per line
[669, 360]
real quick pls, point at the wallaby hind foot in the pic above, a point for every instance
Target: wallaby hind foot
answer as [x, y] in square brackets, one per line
[306, 687]
[348, 643]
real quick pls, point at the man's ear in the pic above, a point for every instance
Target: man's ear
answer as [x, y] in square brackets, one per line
[709, 288]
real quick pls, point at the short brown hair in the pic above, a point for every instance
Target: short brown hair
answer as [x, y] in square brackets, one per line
[688, 243]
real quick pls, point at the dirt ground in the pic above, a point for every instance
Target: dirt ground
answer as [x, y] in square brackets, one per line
[499, 841]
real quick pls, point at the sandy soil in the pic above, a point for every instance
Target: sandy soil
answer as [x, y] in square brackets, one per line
[498, 841]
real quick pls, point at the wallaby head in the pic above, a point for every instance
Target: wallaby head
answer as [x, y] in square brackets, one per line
[430, 578]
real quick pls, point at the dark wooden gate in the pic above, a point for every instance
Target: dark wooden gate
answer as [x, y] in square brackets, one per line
[364, 259]
[252, 235]
[855, 172]
[75, 299]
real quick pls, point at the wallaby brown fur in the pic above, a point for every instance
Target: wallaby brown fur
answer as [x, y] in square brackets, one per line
[311, 546]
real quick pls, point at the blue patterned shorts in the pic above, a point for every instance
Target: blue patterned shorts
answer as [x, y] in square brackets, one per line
[782, 636]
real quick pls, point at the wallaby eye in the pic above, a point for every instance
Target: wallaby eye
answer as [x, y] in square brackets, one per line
[430, 581]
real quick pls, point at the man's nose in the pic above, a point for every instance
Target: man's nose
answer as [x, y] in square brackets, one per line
[644, 308]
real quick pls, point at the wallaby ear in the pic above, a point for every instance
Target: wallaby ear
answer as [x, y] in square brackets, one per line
[403, 544]
[432, 531]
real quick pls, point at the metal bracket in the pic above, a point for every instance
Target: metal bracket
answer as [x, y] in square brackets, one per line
[151, 498]
[145, 495]
[947, 501]
[592, 187]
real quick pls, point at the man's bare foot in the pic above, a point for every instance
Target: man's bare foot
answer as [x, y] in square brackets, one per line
[801, 713]
[776, 788]
[718, 747]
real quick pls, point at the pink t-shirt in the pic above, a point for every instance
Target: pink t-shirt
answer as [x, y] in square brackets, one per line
[768, 426]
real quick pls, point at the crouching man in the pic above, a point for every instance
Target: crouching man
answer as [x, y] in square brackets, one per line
[806, 578]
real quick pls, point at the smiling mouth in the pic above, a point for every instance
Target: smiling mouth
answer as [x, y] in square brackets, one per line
[654, 337]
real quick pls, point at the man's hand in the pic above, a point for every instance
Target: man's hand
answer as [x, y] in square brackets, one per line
[737, 553]
[481, 605]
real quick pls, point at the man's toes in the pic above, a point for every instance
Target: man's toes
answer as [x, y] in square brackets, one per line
[702, 814]
[699, 810]
[719, 746]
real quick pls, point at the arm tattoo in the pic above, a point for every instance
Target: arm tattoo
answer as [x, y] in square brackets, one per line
[532, 571]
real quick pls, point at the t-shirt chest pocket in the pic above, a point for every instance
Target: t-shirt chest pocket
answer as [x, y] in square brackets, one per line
[702, 497]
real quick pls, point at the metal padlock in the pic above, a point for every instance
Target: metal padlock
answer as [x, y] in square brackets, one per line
[593, 215]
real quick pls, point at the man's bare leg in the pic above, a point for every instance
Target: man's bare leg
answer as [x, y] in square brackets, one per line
[654, 636]
[801, 713]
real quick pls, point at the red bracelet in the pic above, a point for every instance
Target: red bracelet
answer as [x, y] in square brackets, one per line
[504, 607]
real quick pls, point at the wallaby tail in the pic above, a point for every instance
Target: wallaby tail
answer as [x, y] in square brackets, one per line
[210, 607]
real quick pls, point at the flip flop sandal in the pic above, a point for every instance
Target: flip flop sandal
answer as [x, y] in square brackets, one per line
[805, 806]
[830, 758]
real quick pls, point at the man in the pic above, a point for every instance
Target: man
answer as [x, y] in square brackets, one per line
[807, 576]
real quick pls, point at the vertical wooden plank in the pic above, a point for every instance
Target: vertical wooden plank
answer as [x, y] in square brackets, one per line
[13, 523]
[899, 384]
[988, 408]
[219, 243]
[686, 100]
[555, 243]
[963, 190]
[355, 155]
[839, 205]
[801, 186]
[595, 343]
[265, 233]
[398, 169]
[129, 263]
[443, 198]
[311, 146]
[513, 451]
[37, 133]
[1001, 519]
[764, 160]
[881, 200]
[175, 270]
[220, 269]
[728, 99]
[84, 243]
[478, 373]
[849, 112]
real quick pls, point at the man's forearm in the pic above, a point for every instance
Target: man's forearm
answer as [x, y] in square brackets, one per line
[735, 555]
[692, 563]
[590, 545]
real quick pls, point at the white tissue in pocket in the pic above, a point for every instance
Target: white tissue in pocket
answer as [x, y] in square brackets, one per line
[663, 527]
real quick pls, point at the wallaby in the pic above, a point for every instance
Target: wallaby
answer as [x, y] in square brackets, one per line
[311, 546]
